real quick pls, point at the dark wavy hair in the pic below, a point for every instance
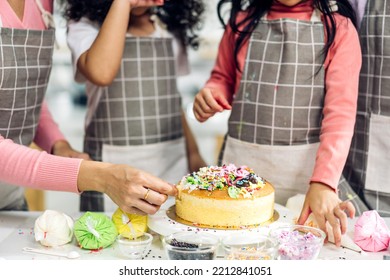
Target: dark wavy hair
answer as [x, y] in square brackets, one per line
[256, 9]
[183, 18]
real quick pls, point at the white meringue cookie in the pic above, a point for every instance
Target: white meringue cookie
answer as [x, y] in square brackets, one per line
[53, 228]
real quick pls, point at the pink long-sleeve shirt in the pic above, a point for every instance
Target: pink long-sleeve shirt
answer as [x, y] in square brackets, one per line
[24, 166]
[342, 67]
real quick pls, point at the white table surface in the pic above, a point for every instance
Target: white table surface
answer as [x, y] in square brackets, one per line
[16, 232]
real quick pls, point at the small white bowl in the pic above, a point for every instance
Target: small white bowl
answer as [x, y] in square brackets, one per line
[135, 249]
[190, 245]
[297, 242]
[249, 246]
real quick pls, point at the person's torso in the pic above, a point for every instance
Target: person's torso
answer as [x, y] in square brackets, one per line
[367, 164]
[142, 105]
[281, 93]
[25, 65]
[277, 111]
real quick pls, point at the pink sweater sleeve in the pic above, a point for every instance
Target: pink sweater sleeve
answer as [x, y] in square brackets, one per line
[24, 166]
[47, 132]
[223, 75]
[342, 67]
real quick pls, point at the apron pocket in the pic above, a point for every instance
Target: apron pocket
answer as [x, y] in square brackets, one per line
[377, 173]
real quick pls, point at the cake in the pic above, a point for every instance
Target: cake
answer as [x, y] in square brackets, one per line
[225, 196]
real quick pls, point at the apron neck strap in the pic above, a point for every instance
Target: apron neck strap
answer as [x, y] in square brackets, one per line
[316, 15]
[159, 26]
[46, 16]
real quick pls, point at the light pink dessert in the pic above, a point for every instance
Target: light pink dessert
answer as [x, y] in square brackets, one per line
[298, 242]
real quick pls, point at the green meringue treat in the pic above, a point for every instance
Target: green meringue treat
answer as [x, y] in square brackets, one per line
[95, 231]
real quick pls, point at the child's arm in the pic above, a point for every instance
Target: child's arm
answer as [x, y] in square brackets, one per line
[342, 78]
[195, 160]
[100, 63]
[340, 105]
[217, 94]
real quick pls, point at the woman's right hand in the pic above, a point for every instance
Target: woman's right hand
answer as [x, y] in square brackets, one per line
[134, 191]
[208, 102]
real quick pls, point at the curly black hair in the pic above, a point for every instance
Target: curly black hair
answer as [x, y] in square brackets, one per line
[182, 18]
[256, 9]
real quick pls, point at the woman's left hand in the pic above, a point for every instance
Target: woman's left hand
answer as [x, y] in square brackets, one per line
[326, 206]
[62, 148]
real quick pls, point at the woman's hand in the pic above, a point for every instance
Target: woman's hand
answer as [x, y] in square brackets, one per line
[208, 102]
[327, 207]
[62, 148]
[133, 190]
[146, 3]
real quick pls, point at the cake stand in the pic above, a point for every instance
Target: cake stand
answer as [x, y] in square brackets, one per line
[164, 223]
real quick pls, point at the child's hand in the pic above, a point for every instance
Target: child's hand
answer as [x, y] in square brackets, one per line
[146, 3]
[208, 102]
[63, 149]
[327, 207]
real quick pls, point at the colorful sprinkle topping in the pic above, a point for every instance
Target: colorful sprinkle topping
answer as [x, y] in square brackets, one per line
[236, 180]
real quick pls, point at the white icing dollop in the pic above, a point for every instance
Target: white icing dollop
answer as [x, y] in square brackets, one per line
[53, 228]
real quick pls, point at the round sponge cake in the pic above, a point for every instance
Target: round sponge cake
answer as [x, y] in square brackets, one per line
[225, 196]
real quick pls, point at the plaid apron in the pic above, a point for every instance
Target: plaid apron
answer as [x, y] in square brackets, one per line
[367, 167]
[25, 65]
[275, 122]
[138, 119]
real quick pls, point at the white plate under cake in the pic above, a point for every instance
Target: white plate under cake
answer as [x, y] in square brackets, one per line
[225, 196]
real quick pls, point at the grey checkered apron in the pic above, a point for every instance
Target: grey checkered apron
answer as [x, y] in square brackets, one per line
[368, 165]
[25, 65]
[142, 106]
[277, 110]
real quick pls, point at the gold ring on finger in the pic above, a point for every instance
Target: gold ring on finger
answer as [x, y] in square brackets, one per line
[146, 194]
